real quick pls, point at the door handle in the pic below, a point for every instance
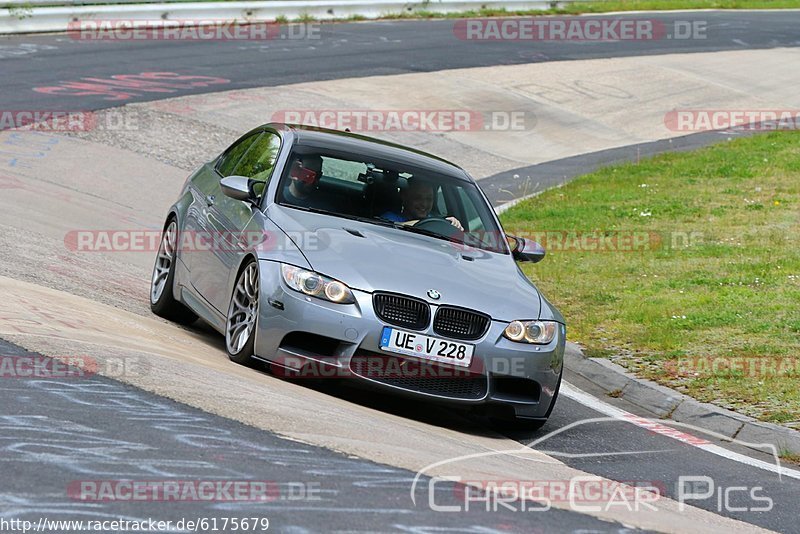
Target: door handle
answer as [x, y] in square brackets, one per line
[210, 200]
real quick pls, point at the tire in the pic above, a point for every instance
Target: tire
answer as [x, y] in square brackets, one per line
[162, 282]
[242, 321]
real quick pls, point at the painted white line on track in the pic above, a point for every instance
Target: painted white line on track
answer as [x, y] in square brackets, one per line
[592, 402]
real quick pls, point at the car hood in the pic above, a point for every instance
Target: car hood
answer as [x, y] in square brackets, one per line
[371, 257]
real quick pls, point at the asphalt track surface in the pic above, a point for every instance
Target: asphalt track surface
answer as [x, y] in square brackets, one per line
[121, 433]
[343, 51]
[147, 436]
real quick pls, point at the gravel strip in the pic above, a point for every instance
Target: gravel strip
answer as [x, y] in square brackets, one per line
[176, 140]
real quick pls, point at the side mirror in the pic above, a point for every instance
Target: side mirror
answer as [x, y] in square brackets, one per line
[238, 187]
[525, 250]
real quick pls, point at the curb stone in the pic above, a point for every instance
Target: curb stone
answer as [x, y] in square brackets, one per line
[669, 404]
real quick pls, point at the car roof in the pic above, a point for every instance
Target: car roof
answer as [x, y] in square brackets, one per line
[350, 142]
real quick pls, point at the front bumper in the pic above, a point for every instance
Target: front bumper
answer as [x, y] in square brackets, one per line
[314, 338]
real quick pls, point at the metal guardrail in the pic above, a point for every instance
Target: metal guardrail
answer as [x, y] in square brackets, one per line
[33, 19]
[63, 3]
[17, 4]
[21, 4]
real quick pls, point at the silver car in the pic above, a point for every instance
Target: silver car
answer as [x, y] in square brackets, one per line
[329, 254]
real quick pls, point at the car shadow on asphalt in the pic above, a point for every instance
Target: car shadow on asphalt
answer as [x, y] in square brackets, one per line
[452, 417]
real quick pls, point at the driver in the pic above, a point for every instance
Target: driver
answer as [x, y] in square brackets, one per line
[302, 186]
[417, 199]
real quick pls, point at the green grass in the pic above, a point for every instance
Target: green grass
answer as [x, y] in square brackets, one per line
[604, 6]
[592, 6]
[708, 301]
[306, 18]
[790, 457]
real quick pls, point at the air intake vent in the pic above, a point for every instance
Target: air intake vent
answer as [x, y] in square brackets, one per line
[422, 377]
[351, 231]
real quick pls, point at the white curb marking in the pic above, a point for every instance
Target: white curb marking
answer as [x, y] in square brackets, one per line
[581, 397]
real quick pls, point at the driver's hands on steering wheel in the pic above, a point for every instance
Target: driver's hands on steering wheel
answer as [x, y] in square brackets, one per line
[455, 222]
[452, 220]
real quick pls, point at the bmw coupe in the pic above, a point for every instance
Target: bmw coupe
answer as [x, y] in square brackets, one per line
[327, 253]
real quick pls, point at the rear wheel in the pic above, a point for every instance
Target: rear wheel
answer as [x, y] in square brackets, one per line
[162, 298]
[240, 328]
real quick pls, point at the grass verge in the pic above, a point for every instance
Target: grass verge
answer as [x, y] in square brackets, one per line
[791, 458]
[603, 6]
[684, 268]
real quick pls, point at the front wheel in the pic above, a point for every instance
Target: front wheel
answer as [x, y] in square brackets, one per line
[240, 328]
[162, 299]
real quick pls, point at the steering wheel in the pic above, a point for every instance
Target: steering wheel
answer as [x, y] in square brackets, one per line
[438, 225]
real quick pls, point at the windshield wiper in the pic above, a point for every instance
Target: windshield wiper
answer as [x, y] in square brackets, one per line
[468, 241]
[312, 210]
[422, 231]
[382, 222]
[370, 220]
[394, 224]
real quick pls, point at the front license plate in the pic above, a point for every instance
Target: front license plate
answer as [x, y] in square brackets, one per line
[426, 347]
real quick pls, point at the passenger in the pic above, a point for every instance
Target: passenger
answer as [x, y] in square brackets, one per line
[417, 199]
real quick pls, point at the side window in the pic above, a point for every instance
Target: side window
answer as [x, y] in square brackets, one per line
[343, 170]
[229, 160]
[259, 161]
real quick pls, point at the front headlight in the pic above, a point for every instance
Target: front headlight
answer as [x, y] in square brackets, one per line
[316, 285]
[538, 332]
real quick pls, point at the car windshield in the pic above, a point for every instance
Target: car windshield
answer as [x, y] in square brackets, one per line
[390, 193]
